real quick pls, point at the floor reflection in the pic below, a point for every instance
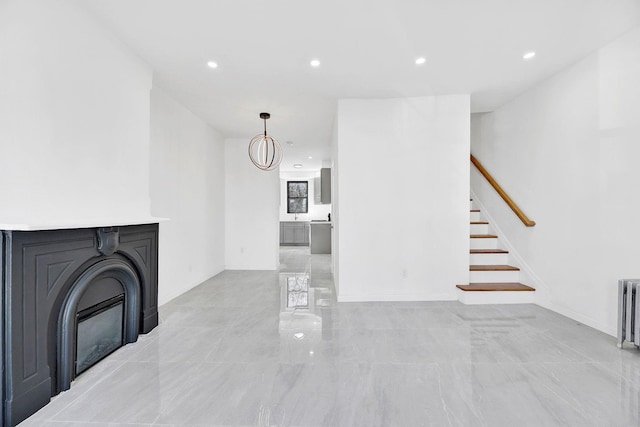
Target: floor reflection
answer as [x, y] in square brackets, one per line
[306, 294]
[301, 313]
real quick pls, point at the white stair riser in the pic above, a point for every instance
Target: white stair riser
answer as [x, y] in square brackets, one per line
[471, 204]
[496, 297]
[479, 228]
[483, 243]
[494, 276]
[488, 259]
[490, 297]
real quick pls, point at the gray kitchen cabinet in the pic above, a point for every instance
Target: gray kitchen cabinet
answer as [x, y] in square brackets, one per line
[325, 181]
[294, 233]
[317, 190]
[320, 237]
[322, 187]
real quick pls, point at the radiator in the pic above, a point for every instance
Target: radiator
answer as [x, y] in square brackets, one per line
[628, 311]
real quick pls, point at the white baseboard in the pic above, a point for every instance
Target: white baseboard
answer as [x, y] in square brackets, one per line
[496, 297]
[567, 312]
[396, 297]
[192, 284]
[252, 267]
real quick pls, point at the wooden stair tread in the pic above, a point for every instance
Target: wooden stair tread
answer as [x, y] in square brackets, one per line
[479, 222]
[475, 210]
[493, 268]
[495, 287]
[483, 236]
[488, 251]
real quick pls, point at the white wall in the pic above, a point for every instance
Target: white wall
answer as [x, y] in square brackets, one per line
[567, 152]
[252, 197]
[315, 211]
[187, 186]
[74, 119]
[404, 198]
[75, 123]
[335, 207]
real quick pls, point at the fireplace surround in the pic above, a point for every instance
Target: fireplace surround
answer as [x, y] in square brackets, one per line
[54, 281]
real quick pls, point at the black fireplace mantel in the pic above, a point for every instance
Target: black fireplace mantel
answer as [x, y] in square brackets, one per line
[40, 272]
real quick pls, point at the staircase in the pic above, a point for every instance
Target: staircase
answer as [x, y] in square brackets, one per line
[492, 279]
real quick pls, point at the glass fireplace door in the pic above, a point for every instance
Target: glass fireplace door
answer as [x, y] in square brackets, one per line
[99, 332]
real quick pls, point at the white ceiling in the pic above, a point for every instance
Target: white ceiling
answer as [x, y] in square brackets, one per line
[367, 49]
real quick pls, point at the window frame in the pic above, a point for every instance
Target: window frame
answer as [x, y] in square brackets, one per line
[291, 198]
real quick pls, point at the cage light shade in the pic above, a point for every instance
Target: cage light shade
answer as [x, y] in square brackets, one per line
[265, 152]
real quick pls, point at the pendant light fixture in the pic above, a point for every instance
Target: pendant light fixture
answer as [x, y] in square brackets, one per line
[265, 151]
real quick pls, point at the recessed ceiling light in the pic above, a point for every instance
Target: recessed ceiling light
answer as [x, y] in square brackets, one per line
[212, 64]
[310, 157]
[297, 166]
[528, 55]
[314, 63]
[421, 60]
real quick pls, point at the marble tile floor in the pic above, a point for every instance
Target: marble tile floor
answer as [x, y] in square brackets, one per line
[232, 353]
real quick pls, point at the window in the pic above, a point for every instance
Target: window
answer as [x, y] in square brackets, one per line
[297, 192]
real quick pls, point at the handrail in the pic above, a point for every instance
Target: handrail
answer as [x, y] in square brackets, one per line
[526, 221]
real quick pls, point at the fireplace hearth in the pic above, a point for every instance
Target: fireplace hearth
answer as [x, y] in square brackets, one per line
[70, 298]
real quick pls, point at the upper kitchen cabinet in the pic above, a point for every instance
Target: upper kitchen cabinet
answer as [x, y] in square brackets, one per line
[322, 187]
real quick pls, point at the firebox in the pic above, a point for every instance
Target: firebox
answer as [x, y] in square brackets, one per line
[70, 298]
[98, 332]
